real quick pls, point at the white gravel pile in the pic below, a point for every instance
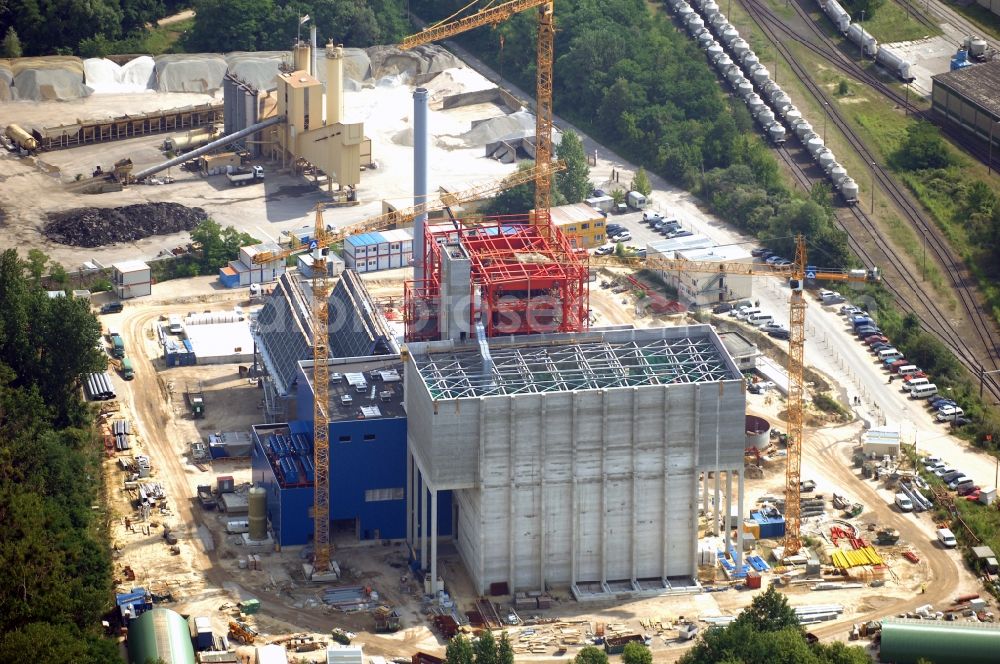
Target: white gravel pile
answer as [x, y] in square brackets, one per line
[515, 125]
[259, 69]
[190, 72]
[139, 73]
[106, 77]
[49, 78]
[426, 59]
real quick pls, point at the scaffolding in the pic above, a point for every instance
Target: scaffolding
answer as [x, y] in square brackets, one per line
[571, 364]
[524, 278]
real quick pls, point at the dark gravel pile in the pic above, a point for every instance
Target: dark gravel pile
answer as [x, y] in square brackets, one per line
[96, 227]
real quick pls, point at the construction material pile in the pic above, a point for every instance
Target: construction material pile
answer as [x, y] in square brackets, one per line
[104, 76]
[259, 69]
[190, 72]
[391, 61]
[501, 128]
[49, 78]
[7, 92]
[96, 227]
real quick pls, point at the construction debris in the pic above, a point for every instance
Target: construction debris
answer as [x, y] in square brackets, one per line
[96, 227]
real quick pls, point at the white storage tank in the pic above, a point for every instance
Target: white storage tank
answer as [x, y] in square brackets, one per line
[802, 129]
[825, 158]
[709, 9]
[719, 23]
[694, 23]
[781, 101]
[676, 4]
[739, 47]
[750, 60]
[729, 35]
[768, 89]
[714, 52]
[705, 39]
[838, 174]
[760, 75]
[862, 38]
[734, 76]
[745, 89]
[792, 115]
[723, 63]
[894, 62]
[754, 104]
[976, 46]
[765, 117]
[776, 132]
[849, 190]
[772, 91]
[684, 12]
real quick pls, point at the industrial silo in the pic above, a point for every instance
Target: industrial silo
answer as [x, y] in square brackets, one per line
[258, 513]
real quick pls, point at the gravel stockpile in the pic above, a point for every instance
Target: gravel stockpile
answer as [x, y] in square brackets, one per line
[190, 72]
[97, 227]
[391, 61]
[106, 77]
[357, 66]
[6, 82]
[515, 125]
[49, 78]
[259, 69]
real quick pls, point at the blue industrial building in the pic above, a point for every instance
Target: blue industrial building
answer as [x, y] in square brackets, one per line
[367, 456]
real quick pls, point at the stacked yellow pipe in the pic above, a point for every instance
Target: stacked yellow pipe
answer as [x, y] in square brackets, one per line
[856, 558]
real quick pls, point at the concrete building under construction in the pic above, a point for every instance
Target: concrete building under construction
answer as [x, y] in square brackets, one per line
[573, 459]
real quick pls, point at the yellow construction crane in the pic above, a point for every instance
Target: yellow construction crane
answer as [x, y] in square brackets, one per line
[543, 83]
[322, 238]
[796, 273]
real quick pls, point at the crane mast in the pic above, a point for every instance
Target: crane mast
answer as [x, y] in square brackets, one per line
[321, 395]
[543, 83]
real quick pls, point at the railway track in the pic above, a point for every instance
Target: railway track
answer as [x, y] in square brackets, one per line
[866, 239]
[822, 45]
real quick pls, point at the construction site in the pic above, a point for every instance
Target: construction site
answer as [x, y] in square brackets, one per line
[395, 419]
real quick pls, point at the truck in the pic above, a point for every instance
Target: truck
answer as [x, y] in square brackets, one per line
[615, 645]
[242, 176]
[117, 346]
[195, 396]
[128, 372]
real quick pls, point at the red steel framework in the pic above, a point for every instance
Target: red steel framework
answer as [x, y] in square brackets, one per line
[525, 278]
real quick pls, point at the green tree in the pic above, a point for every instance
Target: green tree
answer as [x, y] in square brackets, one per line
[591, 655]
[11, 44]
[485, 648]
[37, 260]
[58, 274]
[768, 612]
[574, 182]
[641, 183]
[922, 148]
[516, 200]
[459, 651]
[219, 245]
[505, 650]
[636, 653]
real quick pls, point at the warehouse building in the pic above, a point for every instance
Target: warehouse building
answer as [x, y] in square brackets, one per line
[282, 332]
[131, 279]
[573, 459]
[582, 225]
[385, 250]
[969, 100]
[702, 288]
[367, 456]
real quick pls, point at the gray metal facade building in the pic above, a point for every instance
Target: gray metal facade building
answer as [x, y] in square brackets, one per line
[574, 459]
[969, 99]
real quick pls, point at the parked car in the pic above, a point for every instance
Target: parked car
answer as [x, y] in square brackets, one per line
[651, 217]
[779, 333]
[949, 474]
[960, 421]
[614, 228]
[961, 479]
[722, 308]
[112, 308]
[931, 459]
[771, 260]
[876, 338]
[866, 331]
[758, 252]
[782, 262]
[949, 413]
[606, 250]
[966, 489]
[932, 468]
[848, 309]
[624, 236]
[680, 233]
[881, 345]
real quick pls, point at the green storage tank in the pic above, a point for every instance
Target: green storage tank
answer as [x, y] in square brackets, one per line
[160, 634]
[905, 640]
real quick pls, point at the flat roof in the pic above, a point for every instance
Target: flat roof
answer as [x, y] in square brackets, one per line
[263, 247]
[130, 266]
[673, 244]
[723, 253]
[573, 214]
[598, 359]
[220, 339]
[299, 79]
[363, 388]
[980, 84]
[738, 345]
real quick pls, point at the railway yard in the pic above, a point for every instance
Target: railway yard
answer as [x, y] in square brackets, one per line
[495, 427]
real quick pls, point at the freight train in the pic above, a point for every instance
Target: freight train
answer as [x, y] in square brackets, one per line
[768, 104]
[855, 33]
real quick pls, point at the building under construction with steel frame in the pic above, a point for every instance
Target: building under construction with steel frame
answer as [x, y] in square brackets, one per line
[512, 274]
